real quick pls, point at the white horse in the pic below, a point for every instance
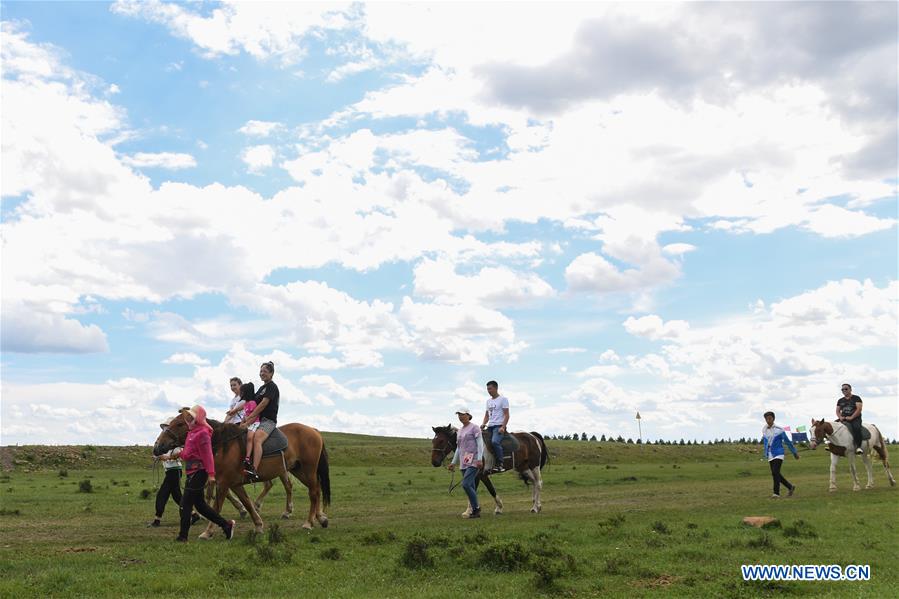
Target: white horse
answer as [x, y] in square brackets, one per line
[842, 444]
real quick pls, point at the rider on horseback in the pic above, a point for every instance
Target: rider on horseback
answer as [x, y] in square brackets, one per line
[496, 417]
[849, 412]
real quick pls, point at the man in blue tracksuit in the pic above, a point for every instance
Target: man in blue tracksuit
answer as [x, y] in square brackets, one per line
[773, 438]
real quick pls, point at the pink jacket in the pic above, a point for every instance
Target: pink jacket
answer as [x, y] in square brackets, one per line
[197, 452]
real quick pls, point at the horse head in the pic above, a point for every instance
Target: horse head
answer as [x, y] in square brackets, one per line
[443, 444]
[820, 428]
[173, 435]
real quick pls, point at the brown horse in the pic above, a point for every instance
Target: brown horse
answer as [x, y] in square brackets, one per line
[305, 457]
[528, 461]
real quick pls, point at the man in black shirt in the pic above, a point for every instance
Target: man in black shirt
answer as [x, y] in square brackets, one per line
[849, 412]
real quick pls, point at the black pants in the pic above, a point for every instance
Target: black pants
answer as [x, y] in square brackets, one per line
[777, 476]
[170, 487]
[855, 427]
[193, 498]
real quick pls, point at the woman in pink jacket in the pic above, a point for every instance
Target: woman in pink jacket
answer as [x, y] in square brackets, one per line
[200, 467]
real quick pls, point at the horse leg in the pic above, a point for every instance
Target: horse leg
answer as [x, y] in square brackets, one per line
[308, 477]
[498, 508]
[288, 491]
[833, 472]
[237, 505]
[266, 487]
[535, 492]
[251, 507]
[853, 472]
[220, 492]
[866, 460]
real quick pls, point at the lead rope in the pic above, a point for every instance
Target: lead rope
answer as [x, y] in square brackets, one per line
[452, 487]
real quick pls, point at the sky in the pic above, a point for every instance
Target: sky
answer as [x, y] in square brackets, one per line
[683, 210]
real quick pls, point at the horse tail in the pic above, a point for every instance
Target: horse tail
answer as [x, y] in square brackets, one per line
[881, 449]
[544, 453]
[324, 476]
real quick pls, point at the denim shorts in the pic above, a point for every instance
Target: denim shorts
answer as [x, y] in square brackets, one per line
[267, 425]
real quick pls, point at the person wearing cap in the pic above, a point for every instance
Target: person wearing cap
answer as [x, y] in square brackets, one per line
[773, 438]
[496, 417]
[200, 466]
[469, 455]
[171, 485]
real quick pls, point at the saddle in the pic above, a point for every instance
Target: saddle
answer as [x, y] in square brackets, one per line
[866, 434]
[275, 443]
[509, 444]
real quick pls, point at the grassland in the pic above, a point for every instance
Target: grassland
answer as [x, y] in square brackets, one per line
[618, 520]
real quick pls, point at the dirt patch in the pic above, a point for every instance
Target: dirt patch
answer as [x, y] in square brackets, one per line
[79, 549]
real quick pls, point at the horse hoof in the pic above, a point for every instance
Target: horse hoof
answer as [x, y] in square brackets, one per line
[307, 526]
[243, 515]
[285, 516]
[497, 512]
[205, 536]
[323, 521]
[892, 483]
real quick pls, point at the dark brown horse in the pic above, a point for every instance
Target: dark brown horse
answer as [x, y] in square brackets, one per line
[528, 461]
[305, 457]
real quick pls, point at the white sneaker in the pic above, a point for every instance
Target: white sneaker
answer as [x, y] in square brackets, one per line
[860, 451]
[775, 496]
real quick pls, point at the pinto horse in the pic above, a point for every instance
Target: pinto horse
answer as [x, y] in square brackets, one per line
[529, 459]
[842, 444]
[304, 457]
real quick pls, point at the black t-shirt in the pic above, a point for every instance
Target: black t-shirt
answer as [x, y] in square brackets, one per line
[847, 406]
[270, 391]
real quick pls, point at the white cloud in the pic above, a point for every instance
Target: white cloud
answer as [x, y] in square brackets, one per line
[568, 350]
[652, 327]
[167, 160]
[491, 286]
[186, 358]
[258, 158]
[260, 128]
[262, 30]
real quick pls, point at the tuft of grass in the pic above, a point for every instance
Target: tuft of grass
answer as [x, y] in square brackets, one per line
[85, 486]
[6, 512]
[415, 556]
[616, 565]
[762, 542]
[507, 557]
[63, 472]
[660, 527]
[800, 530]
[331, 553]
[145, 493]
[744, 473]
[377, 538]
[275, 535]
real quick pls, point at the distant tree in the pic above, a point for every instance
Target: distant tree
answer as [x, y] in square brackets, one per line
[583, 436]
[689, 442]
[682, 442]
[593, 437]
[602, 439]
[620, 439]
[629, 441]
[639, 442]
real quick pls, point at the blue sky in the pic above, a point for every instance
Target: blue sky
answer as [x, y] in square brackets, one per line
[604, 207]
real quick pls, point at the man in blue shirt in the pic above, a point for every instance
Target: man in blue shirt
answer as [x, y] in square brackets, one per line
[773, 438]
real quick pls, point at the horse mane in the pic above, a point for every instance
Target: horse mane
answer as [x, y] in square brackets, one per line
[224, 433]
[449, 429]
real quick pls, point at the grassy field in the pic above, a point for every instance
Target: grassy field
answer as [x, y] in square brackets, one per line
[618, 520]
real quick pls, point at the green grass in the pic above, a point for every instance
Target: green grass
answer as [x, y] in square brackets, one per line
[618, 520]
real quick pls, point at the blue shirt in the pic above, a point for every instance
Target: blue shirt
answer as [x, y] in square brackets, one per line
[773, 439]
